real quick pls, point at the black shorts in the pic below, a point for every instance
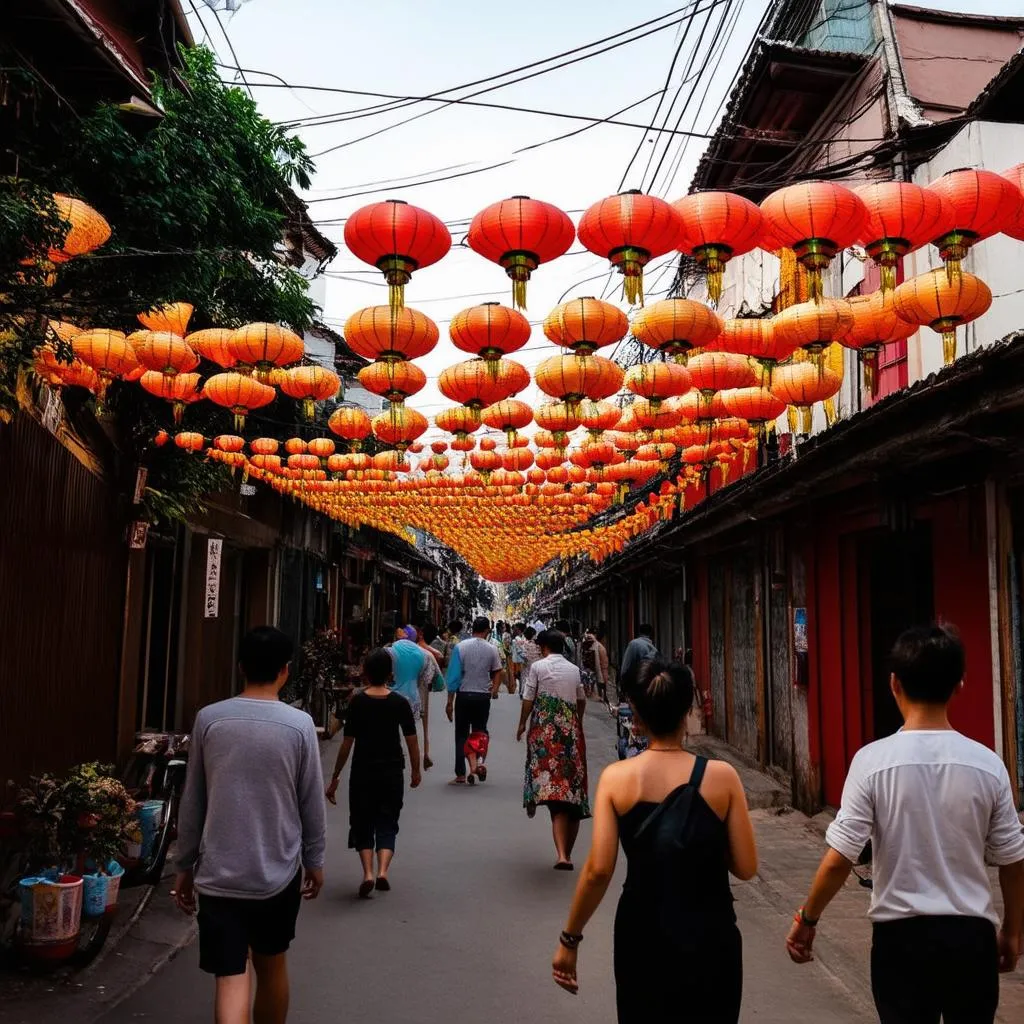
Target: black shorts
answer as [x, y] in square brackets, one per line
[230, 927]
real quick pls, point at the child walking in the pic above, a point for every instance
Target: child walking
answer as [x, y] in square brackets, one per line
[376, 720]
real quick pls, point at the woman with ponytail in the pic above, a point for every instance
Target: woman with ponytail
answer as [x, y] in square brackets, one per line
[684, 826]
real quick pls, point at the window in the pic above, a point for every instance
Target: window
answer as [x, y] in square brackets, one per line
[840, 25]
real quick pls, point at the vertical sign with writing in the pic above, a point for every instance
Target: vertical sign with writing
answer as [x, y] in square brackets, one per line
[213, 553]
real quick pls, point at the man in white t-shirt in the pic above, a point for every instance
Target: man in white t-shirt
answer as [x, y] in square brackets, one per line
[937, 807]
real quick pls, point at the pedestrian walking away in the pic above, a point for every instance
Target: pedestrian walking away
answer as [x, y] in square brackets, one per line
[684, 826]
[554, 703]
[474, 677]
[594, 658]
[414, 671]
[936, 808]
[430, 680]
[638, 650]
[251, 832]
[377, 720]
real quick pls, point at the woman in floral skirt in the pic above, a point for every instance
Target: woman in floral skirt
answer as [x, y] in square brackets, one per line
[556, 760]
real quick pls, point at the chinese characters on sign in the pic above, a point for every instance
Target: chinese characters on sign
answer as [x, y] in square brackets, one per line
[213, 552]
[801, 676]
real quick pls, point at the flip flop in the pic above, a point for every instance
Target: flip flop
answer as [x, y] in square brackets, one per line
[365, 888]
[457, 782]
[471, 780]
[427, 764]
[481, 772]
[383, 885]
[564, 866]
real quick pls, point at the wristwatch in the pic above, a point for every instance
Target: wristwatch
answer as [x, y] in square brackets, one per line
[806, 921]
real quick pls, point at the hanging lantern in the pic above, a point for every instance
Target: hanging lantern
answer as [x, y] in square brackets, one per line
[213, 344]
[816, 219]
[265, 346]
[509, 415]
[803, 384]
[352, 424]
[108, 353]
[630, 229]
[719, 371]
[715, 227]
[387, 334]
[984, 203]
[556, 420]
[310, 384]
[476, 385]
[75, 374]
[875, 325]
[571, 379]
[489, 331]
[585, 325]
[934, 301]
[519, 234]
[813, 326]
[395, 381]
[460, 421]
[901, 217]
[439, 447]
[676, 326]
[517, 460]
[163, 352]
[321, 447]
[397, 239]
[401, 429]
[658, 381]
[189, 441]
[264, 446]
[755, 337]
[87, 230]
[173, 317]
[238, 393]
[598, 417]
[1015, 175]
[656, 416]
[180, 390]
[756, 405]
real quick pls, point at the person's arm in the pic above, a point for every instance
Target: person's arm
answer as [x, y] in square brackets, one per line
[740, 830]
[581, 700]
[593, 884]
[846, 836]
[496, 671]
[310, 789]
[1004, 847]
[339, 766]
[628, 660]
[453, 679]
[191, 821]
[407, 722]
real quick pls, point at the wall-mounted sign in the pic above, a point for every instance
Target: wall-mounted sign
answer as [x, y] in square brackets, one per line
[802, 676]
[137, 534]
[141, 475]
[247, 490]
[214, 547]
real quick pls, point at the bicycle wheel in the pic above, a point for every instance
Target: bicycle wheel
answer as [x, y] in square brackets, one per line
[173, 785]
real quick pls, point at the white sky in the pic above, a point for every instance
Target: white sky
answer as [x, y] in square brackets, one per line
[414, 48]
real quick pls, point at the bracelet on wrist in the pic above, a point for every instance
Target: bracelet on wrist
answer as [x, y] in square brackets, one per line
[569, 940]
[808, 922]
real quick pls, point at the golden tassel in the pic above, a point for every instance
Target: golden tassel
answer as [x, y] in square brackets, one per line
[949, 344]
[519, 294]
[396, 295]
[829, 406]
[807, 418]
[791, 417]
[887, 274]
[953, 271]
[633, 287]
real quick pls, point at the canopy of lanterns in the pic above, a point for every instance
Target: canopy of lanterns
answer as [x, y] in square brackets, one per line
[713, 386]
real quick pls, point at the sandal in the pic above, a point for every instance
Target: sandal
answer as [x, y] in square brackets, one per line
[481, 772]
[383, 885]
[564, 865]
[471, 780]
[427, 764]
[365, 888]
[457, 782]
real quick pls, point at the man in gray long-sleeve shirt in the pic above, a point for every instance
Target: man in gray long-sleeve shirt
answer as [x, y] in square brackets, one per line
[251, 825]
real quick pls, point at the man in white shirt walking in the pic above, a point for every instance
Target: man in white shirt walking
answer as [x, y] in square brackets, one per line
[937, 808]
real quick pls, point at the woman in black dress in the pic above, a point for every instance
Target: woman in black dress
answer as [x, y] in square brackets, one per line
[684, 826]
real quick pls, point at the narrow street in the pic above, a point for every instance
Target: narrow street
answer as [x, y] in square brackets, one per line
[467, 933]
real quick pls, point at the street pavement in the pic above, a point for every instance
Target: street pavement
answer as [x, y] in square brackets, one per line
[468, 931]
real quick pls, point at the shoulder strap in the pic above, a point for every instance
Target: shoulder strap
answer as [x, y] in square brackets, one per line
[697, 775]
[680, 795]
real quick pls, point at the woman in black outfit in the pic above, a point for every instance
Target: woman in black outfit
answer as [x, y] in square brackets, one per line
[375, 722]
[684, 826]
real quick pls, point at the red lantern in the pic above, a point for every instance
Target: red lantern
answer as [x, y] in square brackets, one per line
[238, 393]
[803, 384]
[1015, 175]
[265, 346]
[719, 371]
[352, 424]
[388, 334]
[755, 337]
[476, 385]
[189, 441]
[875, 324]
[658, 381]
[756, 405]
[489, 331]
[310, 384]
[573, 378]
[630, 229]
[519, 234]
[598, 417]
[585, 325]
[816, 219]
[509, 415]
[394, 381]
[715, 227]
[399, 427]
[180, 390]
[397, 239]
[677, 326]
[813, 326]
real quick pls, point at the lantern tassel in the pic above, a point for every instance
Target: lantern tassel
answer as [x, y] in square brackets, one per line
[807, 419]
[239, 421]
[396, 295]
[887, 275]
[954, 267]
[519, 294]
[308, 409]
[869, 360]
[815, 285]
[178, 410]
[633, 287]
[831, 415]
[949, 345]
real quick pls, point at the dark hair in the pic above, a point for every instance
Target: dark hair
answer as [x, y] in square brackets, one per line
[263, 653]
[562, 625]
[645, 629]
[378, 667]
[455, 626]
[553, 640]
[662, 695]
[481, 624]
[529, 632]
[929, 662]
[429, 632]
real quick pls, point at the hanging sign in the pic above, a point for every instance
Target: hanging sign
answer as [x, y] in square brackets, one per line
[213, 553]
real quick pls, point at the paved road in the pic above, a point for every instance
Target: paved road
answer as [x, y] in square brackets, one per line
[469, 929]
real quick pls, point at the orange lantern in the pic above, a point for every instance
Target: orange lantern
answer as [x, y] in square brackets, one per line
[399, 427]
[816, 219]
[630, 229]
[394, 381]
[229, 443]
[803, 384]
[756, 405]
[509, 415]
[755, 337]
[519, 234]
[517, 459]
[238, 393]
[390, 334]
[1015, 175]
[107, 352]
[264, 346]
[598, 417]
[813, 326]
[87, 230]
[321, 447]
[585, 325]
[715, 227]
[574, 378]
[658, 381]
[901, 216]
[173, 317]
[163, 352]
[264, 446]
[719, 371]
[984, 203]
[180, 390]
[934, 301]
[460, 421]
[57, 374]
[489, 331]
[476, 385]
[213, 344]
[352, 424]
[310, 384]
[656, 416]
[189, 441]
[397, 239]
[875, 325]
[676, 326]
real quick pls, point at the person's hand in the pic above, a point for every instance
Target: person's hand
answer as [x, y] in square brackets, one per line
[1009, 950]
[184, 892]
[494, 695]
[799, 943]
[332, 791]
[416, 779]
[312, 883]
[519, 734]
[449, 708]
[563, 969]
